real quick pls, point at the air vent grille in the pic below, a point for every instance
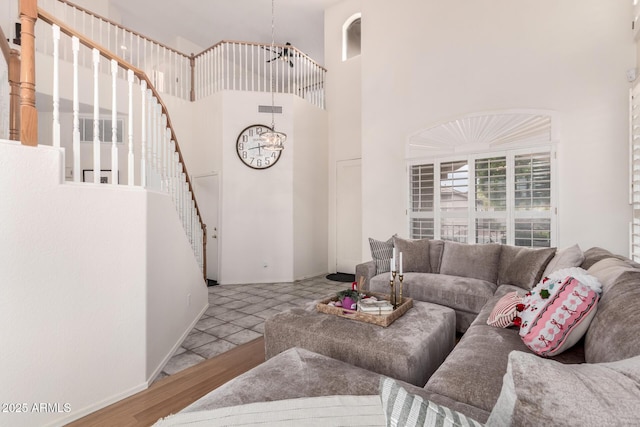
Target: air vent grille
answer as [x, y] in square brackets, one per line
[268, 109]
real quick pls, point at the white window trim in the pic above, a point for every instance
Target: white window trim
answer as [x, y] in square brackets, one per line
[345, 40]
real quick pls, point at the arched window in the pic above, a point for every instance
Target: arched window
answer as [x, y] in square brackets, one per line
[487, 177]
[351, 37]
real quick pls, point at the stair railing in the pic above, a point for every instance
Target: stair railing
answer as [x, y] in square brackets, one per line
[227, 65]
[168, 69]
[159, 163]
[238, 65]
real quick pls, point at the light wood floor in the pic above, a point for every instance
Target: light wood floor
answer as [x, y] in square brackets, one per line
[171, 394]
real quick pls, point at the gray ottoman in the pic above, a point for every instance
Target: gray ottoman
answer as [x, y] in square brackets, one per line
[410, 349]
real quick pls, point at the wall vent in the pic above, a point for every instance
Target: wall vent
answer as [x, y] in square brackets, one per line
[268, 109]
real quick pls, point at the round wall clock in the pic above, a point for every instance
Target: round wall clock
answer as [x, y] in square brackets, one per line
[250, 148]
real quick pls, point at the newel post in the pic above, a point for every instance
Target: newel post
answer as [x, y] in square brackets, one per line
[14, 95]
[28, 112]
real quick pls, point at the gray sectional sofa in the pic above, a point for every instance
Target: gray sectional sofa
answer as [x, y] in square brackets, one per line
[490, 375]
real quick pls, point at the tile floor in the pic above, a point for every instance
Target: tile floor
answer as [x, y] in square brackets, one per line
[236, 316]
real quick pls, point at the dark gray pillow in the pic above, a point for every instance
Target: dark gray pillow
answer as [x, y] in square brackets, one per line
[381, 252]
[415, 254]
[523, 267]
[475, 261]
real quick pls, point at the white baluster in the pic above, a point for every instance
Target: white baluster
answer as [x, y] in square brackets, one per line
[115, 174]
[56, 85]
[75, 45]
[130, 159]
[96, 117]
[166, 136]
[183, 199]
[172, 170]
[154, 136]
[143, 134]
[176, 181]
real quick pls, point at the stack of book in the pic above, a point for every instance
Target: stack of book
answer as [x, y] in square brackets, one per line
[372, 306]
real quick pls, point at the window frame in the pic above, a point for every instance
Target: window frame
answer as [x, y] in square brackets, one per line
[510, 214]
[345, 36]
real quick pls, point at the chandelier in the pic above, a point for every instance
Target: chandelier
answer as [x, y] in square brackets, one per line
[273, 140]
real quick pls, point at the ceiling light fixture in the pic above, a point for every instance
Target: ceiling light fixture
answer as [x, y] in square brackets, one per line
[273, 139]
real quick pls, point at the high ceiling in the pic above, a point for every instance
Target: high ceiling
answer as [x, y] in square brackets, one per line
[206, 22]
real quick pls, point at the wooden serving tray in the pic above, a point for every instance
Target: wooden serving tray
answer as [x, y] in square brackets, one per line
[377, 319]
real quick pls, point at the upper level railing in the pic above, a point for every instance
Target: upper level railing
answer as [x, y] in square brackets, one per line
[227, 65]
[150, 151]
[236, 65]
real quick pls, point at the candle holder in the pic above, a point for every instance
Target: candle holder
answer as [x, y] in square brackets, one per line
[400, 276]
[392, 294]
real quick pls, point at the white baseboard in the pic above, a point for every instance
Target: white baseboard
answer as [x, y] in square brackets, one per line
[175, 347]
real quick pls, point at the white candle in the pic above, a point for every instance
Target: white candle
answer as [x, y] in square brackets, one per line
[393, 260]
[391, 268]
[401, 263]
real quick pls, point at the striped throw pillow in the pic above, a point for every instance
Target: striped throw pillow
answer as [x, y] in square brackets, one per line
[404, 409]
[504, 311]
[381, 252]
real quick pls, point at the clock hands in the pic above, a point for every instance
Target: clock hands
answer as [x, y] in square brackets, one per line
[259, 146]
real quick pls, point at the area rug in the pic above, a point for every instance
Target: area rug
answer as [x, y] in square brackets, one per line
[342, 277]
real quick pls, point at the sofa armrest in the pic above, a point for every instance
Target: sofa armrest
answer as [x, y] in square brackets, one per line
[366, 270]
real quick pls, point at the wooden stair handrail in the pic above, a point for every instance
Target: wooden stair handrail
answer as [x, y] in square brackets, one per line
[88, 12]
[51, 20]
[82, 9]
[12, 58]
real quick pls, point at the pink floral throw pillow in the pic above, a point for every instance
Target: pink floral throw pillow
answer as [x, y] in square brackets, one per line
[504, 311]
[557, 312]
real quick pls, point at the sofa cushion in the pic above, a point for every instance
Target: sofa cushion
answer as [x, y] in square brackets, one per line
[595, 254]
[415, 254]
[381, 252]
[557, 312]
[565, 258]
[608, 270]
[459, 293]
[543, 392]
[295, 373]
[473, 371]
[523, 267]
[614, 333]
[436, 247]
[474, 261]
[405, 409]
[504, 311]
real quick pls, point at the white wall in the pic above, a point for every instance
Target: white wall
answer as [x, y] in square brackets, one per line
[344, 108]
[310, 189]
[176, 292]
[427, 61]
[73, 309]
[89, 274]
[257, 205]
[9, 16]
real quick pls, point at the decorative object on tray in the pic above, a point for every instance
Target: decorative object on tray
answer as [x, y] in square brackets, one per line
[392, 282]
[348, 299]
[374, 306]
[384, 315]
